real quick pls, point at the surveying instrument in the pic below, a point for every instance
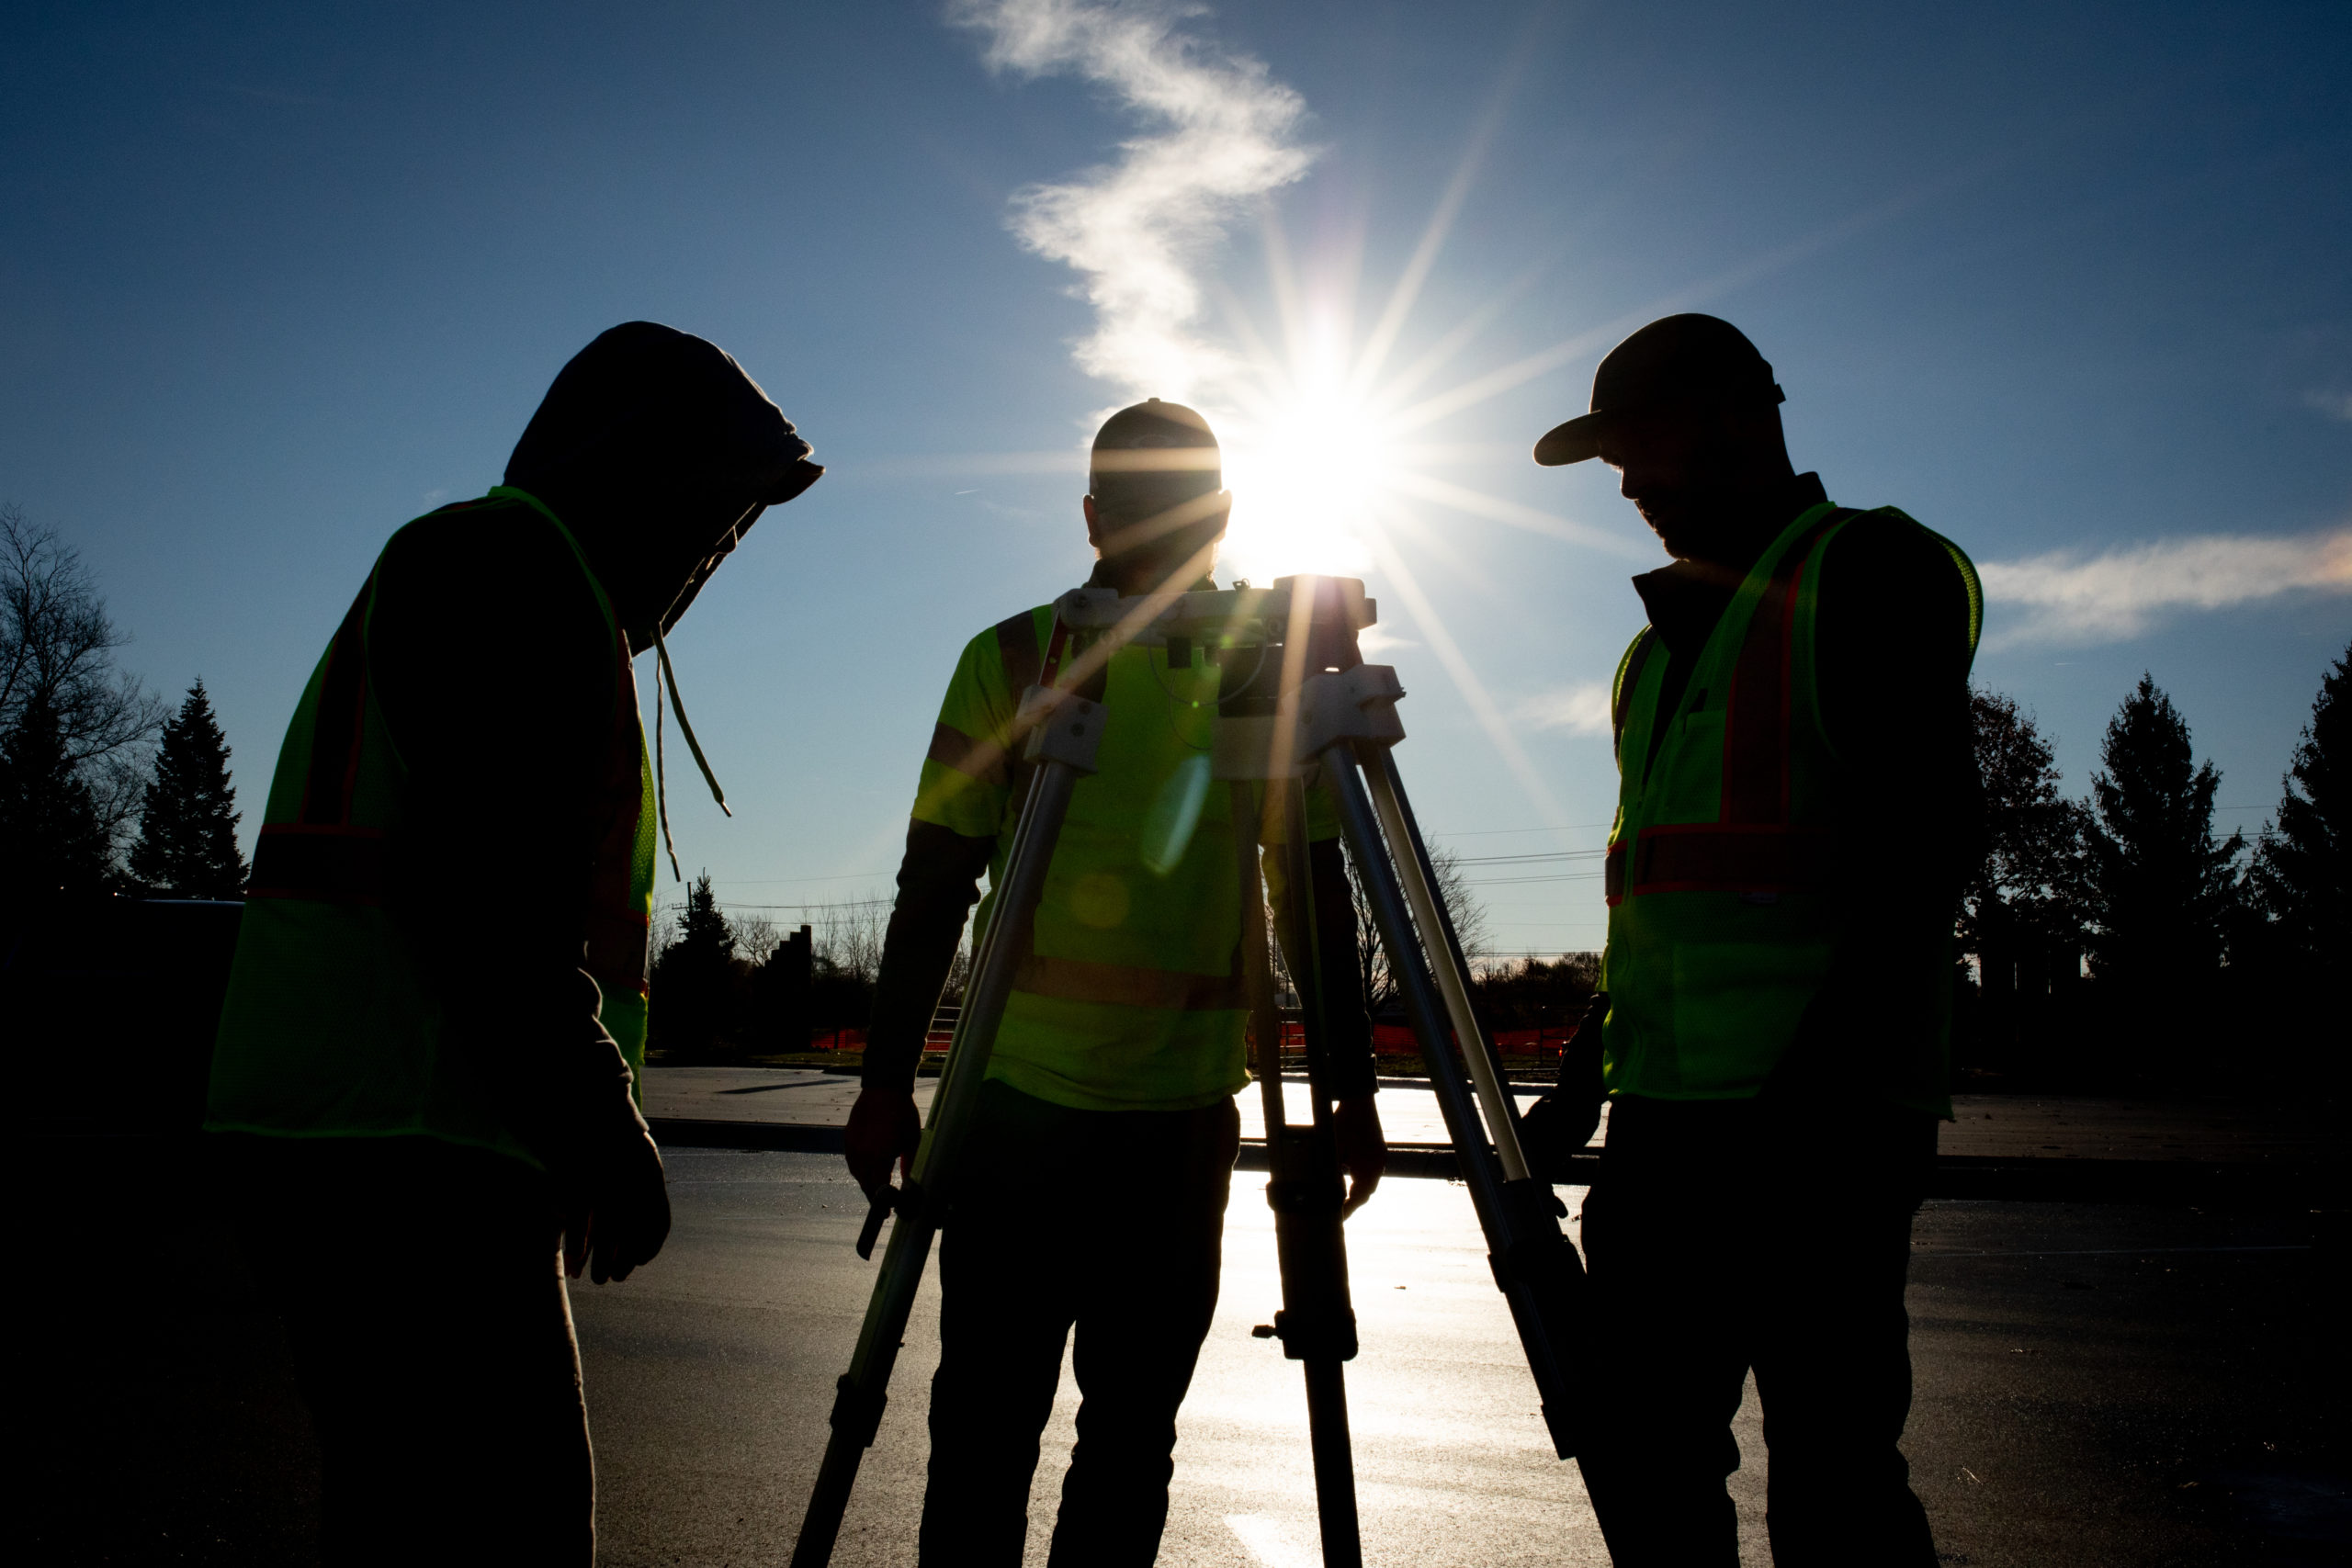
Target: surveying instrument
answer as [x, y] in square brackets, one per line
[1297, 704]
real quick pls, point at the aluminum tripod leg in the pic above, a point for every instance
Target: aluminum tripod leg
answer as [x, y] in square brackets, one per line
[1064, 743]
[1535, 1266]
[1318, 1322]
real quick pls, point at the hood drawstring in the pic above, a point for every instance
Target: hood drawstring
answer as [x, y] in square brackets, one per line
[662, 779]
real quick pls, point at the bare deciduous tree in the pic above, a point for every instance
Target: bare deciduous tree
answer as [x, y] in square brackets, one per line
[57, 647]
[1469, 918]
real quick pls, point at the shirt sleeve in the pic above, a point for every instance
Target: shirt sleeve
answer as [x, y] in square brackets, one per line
[968, 772]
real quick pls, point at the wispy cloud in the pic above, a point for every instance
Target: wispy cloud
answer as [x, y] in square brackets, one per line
[2336, 404]
[1220, 134]
[2068, 597]
[1580, 709]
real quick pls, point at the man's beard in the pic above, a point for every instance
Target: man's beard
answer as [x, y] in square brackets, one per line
[1705, 525]
[1689, 523]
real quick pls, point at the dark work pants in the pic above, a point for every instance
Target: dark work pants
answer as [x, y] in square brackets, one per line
[1110, 1222]
[1730, 1235]
[423, 1294]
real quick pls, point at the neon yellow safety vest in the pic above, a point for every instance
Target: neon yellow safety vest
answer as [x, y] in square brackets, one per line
[1128, 993]
[333, 1027]
[1721, 924]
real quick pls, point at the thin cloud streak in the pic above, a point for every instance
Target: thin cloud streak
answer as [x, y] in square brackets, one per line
[2068, 598]
[1581, 708]
[1221, 137]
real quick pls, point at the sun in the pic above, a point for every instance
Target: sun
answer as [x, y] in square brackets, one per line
[1307, 475]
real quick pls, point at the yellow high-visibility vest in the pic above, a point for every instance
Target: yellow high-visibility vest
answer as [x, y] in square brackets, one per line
[1128, 993]
[1720, 922]
[333, 1026]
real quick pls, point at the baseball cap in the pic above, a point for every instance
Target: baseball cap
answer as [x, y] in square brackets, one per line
[1689, 360]
[1152, 457]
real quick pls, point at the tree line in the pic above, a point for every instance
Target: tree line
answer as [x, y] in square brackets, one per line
[104, 791]
[2112, 940]
[2119, 940]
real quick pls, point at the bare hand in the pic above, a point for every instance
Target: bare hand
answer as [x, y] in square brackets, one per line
[883, 1126]
[1364, 1150]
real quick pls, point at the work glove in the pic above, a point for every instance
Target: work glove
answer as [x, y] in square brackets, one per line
[1562, 1121]
[884, 1126]
[615, 1204]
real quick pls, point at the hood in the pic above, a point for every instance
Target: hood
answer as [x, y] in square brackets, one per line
[657, 452]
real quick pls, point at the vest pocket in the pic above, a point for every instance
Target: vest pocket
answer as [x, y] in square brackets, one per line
[1736, 1008]
[1689, 785]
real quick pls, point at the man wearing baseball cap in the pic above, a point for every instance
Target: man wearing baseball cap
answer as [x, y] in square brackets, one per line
[1797, 811]
[1091, 1198]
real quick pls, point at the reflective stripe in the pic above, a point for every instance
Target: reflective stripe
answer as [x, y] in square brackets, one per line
[1016, 644]
[617, 947]
[1757, 712]
[616, 926]
[1715, 857]
[1082, 980]
[979, 761]
[327, 862]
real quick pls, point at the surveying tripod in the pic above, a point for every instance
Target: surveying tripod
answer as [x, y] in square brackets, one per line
[1307, 708]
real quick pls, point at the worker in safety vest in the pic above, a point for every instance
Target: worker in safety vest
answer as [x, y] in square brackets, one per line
[1796, 813]
[1094, 1193]
[422, 1079]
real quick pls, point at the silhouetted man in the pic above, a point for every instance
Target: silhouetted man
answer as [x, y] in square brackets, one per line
[1093, 1193]
[427, 1100]
[1797, 809]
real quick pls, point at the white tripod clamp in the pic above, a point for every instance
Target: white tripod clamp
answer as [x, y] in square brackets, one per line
[1359, 703]
[1063, 727]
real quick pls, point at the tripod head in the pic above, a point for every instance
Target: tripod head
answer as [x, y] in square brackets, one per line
[1300, 627]
[1273, 716]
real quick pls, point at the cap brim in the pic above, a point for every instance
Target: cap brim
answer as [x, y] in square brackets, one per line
[793, 481]
[1571, 443]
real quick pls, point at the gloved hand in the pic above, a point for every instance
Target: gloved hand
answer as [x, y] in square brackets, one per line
[616, 1209]
[1562, 1121]
[884, 1126]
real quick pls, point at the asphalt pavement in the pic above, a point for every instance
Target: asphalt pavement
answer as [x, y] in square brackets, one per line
[2113, 1383]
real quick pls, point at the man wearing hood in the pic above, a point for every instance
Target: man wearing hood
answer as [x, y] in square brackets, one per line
[429, 1116]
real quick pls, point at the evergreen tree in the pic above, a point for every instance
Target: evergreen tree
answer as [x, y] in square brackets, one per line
[187, 824]
[2022, 911]
[2162, 890]
[695, 980]
[54, 839]
[2303, 870]
[2030, 881]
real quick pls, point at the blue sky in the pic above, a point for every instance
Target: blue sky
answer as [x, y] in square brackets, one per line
[2070, 284]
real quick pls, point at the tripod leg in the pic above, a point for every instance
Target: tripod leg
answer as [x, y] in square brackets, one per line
[1443, 950]
[1533, 1265]
[1335, 1464]
[1316, 1325]
[864, 1390]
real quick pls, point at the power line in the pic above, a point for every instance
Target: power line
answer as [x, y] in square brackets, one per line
[1563, 876]
[1496, 832]
[771, 881]
[1503, 860]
